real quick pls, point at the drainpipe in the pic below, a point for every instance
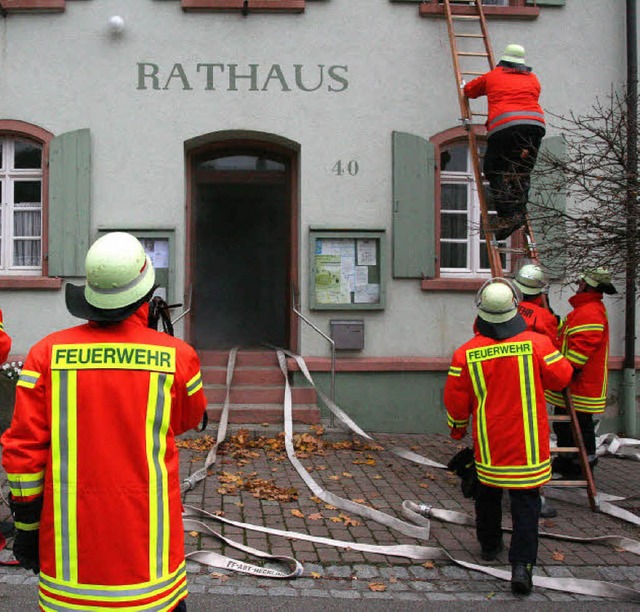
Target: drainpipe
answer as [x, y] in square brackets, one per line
[629, 372]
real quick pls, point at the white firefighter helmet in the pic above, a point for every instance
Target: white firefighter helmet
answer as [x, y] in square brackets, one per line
[531, 280]
[497, 301]
[600, 279]
[119, 276]
[513, 53]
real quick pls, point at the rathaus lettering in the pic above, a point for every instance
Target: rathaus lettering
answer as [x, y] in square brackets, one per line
[247, 77]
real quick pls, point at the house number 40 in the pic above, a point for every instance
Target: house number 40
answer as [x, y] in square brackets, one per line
[341, 168]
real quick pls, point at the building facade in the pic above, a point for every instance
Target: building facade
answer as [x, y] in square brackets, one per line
[275, 155]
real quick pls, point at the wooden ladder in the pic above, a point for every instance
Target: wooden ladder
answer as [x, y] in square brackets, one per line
[471, 31]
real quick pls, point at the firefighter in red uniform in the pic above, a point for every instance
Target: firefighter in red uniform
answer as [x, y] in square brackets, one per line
[91, 456]
[499, 377]
[5, 341]
[531, 281]
[515, 127]
[585, 343]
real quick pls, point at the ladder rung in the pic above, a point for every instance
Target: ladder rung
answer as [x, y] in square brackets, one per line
[470, 72]
[566, 483]
[564, 449]
[465, 17]
[559, 418]
[473, 54]
[479, 114]
[469, 35]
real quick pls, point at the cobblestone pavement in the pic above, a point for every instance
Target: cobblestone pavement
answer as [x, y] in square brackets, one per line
[382, 480]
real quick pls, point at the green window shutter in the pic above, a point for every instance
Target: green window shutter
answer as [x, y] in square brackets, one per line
[546, 189]
[413, 206]
[69, 202]
[546, 2]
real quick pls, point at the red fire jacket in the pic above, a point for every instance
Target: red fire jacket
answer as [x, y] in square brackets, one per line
[97, 409]
[585, 343]
[5, 341]
[501, 383]
[512, 95]
[539, 319]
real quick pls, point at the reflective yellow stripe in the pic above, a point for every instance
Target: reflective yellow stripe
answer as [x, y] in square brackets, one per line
[455, 371]
[195, 384]
[480, 423]
[529, 408]
[158, 417]
[515, 477]
[577, 358]
[110, 594]
[456, 423]
[585, 328]
[63, 471]
[113, 356]
[28, 379]
[24, 485]
[551, 358]
[27, 526]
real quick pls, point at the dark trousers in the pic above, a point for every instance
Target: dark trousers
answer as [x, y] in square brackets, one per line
[525, 512]
[508, 162]
[181, 607]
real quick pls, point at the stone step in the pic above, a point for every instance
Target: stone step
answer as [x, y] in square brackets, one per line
[260, 394]
[243, 358]
[258, 414]
[245, 375]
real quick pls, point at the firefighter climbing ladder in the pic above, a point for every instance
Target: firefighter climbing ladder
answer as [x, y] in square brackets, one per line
[473, 30]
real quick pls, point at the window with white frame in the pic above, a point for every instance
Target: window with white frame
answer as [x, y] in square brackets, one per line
[463, 249]
[21, 209]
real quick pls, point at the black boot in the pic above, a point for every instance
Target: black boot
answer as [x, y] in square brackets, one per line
[521, 578]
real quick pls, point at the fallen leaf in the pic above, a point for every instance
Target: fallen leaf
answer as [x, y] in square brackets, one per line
[429, 564]
[347, 475]
[393, 580]
[335, 519]
[360, 501]
[222, 577]
[334, 477]
[558, 556]
[316, 516]
[321, 468]
[315, 498]
[377, 586]
[297, 513]
[329, 507]
[377, 477]
[194, 534]
[316, 575]
[423, 485]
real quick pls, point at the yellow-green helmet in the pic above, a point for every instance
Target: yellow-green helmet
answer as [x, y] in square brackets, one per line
[600, 279]
[531, 280]
[119, 276]
[497, 301]
[513, 53]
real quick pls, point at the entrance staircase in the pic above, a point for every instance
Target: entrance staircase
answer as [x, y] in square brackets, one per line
[257, 389]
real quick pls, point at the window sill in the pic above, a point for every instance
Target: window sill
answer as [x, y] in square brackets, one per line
[253, 6]
[491, 12]
[468, 285]
[30, 282]
[15, 6]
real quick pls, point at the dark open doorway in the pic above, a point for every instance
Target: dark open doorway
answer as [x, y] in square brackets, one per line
[241, 249]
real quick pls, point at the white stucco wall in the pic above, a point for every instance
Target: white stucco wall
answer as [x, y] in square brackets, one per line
[64, 72]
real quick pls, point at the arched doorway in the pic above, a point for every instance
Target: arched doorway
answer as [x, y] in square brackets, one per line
[242, 238]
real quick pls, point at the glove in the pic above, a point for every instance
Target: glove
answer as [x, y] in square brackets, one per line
[463, 465]
[26, 549]
[462, 84]
[26, 546]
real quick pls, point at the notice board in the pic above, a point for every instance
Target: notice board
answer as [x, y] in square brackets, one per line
[347, 269]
